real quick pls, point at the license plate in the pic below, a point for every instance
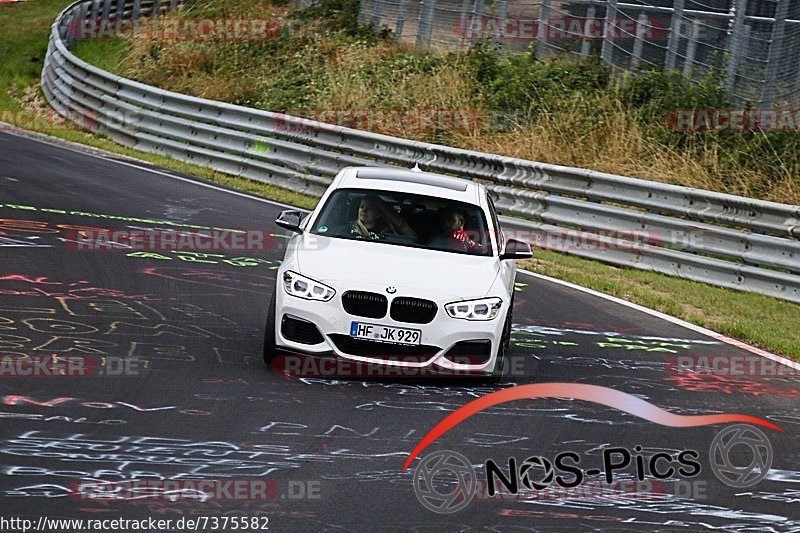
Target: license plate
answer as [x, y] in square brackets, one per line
[388, 334]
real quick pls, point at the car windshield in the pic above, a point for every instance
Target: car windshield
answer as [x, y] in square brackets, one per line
[406, 220]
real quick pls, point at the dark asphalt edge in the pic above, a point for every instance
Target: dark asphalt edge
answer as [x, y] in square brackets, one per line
[130, 161]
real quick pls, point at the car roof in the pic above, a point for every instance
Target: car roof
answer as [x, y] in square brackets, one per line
[412, 181]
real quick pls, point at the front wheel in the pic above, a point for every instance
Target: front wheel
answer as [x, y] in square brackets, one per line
[501, 362]
[270, 349]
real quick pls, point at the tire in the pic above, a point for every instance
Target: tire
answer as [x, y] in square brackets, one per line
[270, 349]
[500, 366]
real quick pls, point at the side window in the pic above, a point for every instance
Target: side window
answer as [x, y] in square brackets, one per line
[496, 223]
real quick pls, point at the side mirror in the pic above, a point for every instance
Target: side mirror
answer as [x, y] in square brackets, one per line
[290, 219]
[517, 250]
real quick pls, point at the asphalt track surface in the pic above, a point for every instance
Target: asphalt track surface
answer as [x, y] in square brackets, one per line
[205, 407]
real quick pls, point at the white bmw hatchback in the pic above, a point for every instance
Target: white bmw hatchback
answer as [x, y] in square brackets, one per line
[397, 267]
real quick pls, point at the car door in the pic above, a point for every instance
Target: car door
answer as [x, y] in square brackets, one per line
[508, 269]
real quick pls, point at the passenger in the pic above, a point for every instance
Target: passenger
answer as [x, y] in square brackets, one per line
[375, 219]
[453, 235]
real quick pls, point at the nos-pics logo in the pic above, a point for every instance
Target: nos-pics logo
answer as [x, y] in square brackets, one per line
[445, 481]
[456, 495]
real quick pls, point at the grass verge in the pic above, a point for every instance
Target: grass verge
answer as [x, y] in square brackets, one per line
[771, 324]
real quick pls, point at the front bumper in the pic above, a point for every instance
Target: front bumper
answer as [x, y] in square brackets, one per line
[438, 337]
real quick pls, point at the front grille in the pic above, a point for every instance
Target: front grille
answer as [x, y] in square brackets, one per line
[367, 304]
[299, 330]
[413, 310]
[381, 350]
[470, 352]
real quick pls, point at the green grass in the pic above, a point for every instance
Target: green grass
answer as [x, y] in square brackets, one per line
[104, 54]
[759, 320]
[24, 31]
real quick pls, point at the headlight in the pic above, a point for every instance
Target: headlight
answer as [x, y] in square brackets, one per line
[483, 309]
[307, 288]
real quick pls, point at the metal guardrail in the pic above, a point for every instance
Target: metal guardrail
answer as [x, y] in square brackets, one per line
[705, 236]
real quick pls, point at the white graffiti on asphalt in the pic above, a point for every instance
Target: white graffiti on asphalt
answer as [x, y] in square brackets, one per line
[548, 331]
[58, 418]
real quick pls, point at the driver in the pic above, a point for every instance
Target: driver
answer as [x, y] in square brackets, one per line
[453, 235]
[375, 219]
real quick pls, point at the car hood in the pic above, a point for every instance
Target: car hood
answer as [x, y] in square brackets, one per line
[345, 264]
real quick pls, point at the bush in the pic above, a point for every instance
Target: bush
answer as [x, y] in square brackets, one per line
[339, 15]
[521, 83]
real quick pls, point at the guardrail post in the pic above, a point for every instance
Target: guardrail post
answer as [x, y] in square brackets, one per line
[674, 34]
[775, 52]
[691, 47]
[465, 23]
[477, 10]
[739, 7]
[137, 7]
[63, 32]
[607, 52]
[377, 13]
[586, 44]
[642, 23]
[401, 18]
[363, 7]
[544, 28]
[502, 10]
[156, 8]
[120, 9]
[425, 22]
[106, 8]
[69, 23]
[83, 13]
